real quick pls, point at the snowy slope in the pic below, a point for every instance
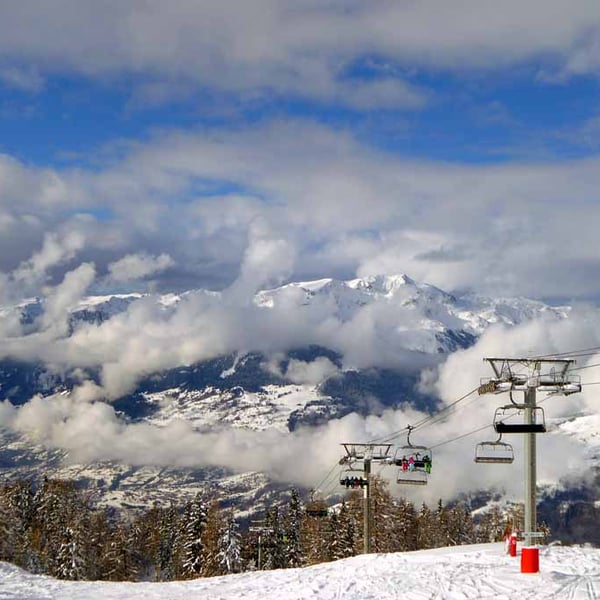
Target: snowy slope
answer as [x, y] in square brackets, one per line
[480, 571]
[236, 407]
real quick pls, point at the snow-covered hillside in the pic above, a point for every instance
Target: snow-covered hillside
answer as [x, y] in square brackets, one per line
[478, 572]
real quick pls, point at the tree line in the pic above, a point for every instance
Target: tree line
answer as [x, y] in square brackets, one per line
[54, 528]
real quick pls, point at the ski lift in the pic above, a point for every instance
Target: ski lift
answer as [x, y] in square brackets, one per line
[316, 506]
[497, 452]
[504, 412]
[316, 512]
[414, 462]
[353, 478]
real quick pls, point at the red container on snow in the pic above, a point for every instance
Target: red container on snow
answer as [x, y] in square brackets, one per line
[530, 560]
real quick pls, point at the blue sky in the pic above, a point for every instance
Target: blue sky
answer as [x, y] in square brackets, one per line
[429, 138]
[470, 117]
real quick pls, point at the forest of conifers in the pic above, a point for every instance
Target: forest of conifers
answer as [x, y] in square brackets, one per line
[54, 528]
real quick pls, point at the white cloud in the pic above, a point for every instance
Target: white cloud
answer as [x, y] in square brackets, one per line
[297, 48]
[138, 266]
[303, 372]
[56, 249]
[268, 260]
[317, 203]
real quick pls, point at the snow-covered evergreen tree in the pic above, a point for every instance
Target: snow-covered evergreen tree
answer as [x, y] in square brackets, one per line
[61, 515]
[441, 526]
[291, 531]
[17, 500]
[405, 526]
[164, 533]
[194, 522]
[426, 529]
[273, 541]
[491, 526]
[70, 557]
[229, 550]
[460, 525]
[347, 533]
[382, 516]
[211, 535]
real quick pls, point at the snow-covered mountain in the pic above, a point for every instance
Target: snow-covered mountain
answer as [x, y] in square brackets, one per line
[427, 306]
[422, 317]
[253, 390]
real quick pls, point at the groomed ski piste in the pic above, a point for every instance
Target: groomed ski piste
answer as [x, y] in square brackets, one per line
[481, 571]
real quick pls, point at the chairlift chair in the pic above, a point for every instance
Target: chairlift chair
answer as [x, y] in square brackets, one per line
[411, 477]
[497, 452]
[504, 412]
[316, 505]
[353, 478]
[412, 460]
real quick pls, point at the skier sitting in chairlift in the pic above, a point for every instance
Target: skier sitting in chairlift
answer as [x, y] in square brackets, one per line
[427, 463]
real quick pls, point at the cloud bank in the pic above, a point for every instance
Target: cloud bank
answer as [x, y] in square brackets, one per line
[292, 48]
[148, 338]
[339, 208]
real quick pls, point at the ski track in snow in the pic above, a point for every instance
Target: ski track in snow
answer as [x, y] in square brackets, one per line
[480, 572]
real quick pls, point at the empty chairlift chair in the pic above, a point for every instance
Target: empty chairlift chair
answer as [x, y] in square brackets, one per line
[503, 413]
[497, 452]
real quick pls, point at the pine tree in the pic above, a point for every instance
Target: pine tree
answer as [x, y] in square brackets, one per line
[18, 510]
[97, 532]
[194, 522]
[491, 526]
[425, 529]
[60, 520]
[327, 545]
[347, 538]
[70, 557]
[229, 548]
[167, 550]
[382, 516]
[211, 535]
[460, 525]
[441, 527]
[273, 541]
[406, 527]
[291, 531]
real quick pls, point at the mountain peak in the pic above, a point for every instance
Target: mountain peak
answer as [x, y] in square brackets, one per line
[381, 283]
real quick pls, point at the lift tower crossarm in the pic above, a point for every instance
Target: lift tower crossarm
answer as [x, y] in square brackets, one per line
[519, 374]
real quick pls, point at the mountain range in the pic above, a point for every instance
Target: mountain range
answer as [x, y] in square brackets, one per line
[371, 339]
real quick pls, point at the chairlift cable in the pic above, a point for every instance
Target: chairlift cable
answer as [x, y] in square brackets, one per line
[460, 437]
[329, 474]
[423, 422]
[572, 353]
